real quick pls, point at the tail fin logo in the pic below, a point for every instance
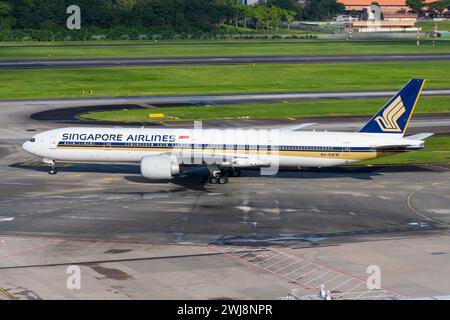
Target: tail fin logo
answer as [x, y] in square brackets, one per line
[388, 121]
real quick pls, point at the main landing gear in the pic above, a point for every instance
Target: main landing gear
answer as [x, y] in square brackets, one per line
[218, 179]
[232, 172]
[52, 164]
[218, 176]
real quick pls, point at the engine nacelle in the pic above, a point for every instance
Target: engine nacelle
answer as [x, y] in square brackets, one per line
[159, 167]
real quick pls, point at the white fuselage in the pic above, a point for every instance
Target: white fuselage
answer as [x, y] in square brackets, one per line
[236, 148]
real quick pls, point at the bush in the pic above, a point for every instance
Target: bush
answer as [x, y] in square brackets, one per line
[137, 33]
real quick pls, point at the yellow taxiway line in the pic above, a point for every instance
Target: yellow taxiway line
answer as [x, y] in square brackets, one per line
[7, 294]
[411, 207]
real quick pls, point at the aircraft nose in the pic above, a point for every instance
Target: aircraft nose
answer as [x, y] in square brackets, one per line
[27, 146]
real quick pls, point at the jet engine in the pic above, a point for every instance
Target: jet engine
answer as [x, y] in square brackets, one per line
[159, 167]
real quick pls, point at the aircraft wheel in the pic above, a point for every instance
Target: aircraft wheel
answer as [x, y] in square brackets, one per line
[53, 172]
[213, 180]
[223, 179]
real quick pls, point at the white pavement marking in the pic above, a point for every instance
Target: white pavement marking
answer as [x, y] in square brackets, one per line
[308, 274]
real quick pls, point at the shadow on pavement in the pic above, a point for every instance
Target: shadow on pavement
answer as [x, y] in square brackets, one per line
[195, 177]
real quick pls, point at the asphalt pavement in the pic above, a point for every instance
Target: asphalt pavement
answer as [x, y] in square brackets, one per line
[217, 60]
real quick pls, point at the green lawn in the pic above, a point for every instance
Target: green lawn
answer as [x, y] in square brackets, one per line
[141, 81]
[269, 110]
[429, 25]
[437, 150]
[212, 48]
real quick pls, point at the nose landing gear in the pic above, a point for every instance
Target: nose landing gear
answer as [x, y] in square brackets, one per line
[52, 164]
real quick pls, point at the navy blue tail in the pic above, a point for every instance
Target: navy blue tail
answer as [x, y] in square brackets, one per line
[394, 117]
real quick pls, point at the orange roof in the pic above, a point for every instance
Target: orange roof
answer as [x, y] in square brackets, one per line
[381, 2]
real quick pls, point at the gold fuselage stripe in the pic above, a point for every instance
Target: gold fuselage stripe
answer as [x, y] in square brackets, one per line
[348, 155]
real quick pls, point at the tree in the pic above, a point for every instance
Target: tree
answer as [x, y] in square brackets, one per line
[6, 21]
[288, 17]
[275, 17]
[5, 9]
[292, 5]
[415, 5]
[322, 9]
[242, 13]
[259, 14]
[439, 6]
[123, 13]
[246, 12]
[222, 10]
[22, 11]
[47, 18]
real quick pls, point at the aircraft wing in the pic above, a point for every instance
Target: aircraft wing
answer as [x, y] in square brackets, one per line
[296, 127]
[222, 159]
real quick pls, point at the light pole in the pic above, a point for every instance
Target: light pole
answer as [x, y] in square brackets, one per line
[435, 32]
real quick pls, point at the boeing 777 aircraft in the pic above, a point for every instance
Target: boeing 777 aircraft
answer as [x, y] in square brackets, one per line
[165, 153]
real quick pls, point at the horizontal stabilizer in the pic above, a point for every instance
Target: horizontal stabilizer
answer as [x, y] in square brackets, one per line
[420, 136]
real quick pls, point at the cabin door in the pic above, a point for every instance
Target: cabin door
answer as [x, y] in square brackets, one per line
[53, 142]
[346, 147]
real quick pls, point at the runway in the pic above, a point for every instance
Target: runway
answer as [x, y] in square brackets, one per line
[136, 239]
[218, 60]
[201, 99]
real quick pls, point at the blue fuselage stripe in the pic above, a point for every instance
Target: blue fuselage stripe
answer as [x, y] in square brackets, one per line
[220, 146]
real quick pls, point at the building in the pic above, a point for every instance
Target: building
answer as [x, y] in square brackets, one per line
[249, 2]
[384, 26]
[386, 6]
[387, 16]
[400, 17]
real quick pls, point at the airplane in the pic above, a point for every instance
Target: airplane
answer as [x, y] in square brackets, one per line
[166, 153]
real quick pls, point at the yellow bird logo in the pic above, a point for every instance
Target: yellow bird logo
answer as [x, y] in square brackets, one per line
[388, 122]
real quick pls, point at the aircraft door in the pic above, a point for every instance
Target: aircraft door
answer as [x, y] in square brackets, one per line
[53, 142]
[346, 147]
[107, 146]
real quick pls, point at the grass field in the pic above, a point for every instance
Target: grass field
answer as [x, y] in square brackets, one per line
[141, 81]
[437, 150]
[429, 25]
[212, 48]
[269, 110]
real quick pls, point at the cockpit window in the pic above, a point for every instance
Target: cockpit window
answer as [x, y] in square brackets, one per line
[32, 140]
